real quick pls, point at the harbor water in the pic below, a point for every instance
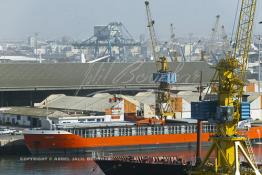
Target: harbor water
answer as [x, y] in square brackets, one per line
[63, 165]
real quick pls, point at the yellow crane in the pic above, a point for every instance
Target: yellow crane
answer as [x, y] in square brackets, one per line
[163, 76]
[227, 143]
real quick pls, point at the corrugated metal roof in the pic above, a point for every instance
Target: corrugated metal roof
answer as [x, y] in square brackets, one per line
[78, 103]
[95, 75]
[252, 96]
[130, 99]
[34, 112]
[146, 98]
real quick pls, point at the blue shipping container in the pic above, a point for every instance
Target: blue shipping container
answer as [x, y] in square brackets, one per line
[169, 77]
[203, 110]
[245, 110]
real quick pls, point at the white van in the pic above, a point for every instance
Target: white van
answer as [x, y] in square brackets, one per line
[5, 131]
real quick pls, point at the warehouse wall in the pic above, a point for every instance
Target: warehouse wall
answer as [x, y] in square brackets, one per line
[256, 109]
[19, 120]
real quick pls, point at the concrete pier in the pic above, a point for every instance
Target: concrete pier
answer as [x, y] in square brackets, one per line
[13, 145]
[9, 139]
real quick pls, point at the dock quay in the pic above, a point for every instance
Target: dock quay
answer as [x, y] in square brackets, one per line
[13, 145]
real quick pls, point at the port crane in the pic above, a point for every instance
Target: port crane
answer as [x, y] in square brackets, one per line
[108, 37]
[212, 44]
[172, 51]
[163, 76]
[227, 142]
[226, 45]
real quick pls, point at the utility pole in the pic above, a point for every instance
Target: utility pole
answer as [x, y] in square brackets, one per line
[259, 62]
[191, 45]
[259, 67]
[36, 47]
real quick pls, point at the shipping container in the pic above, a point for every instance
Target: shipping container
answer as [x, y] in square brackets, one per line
[245, 110]
[169, 77]
[203, 110]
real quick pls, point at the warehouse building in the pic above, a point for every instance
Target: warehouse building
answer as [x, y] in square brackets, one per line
[61, 109]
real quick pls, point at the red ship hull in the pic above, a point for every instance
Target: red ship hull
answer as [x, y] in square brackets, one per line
[63, 142]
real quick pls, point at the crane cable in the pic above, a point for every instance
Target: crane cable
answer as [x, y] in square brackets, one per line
[234, 24]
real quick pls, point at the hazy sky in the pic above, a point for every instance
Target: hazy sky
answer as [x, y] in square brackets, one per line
[76, 18]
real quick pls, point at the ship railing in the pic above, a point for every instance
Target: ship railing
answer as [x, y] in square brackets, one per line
[209, 128]
[140, 131]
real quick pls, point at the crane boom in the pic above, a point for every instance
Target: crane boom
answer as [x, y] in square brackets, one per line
[212, 44]
[152, 33]
[244, 33]
[172, 33]
[225, 39]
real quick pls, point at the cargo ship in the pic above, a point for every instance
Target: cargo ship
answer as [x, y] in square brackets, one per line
[140, 165]
[120, 137]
